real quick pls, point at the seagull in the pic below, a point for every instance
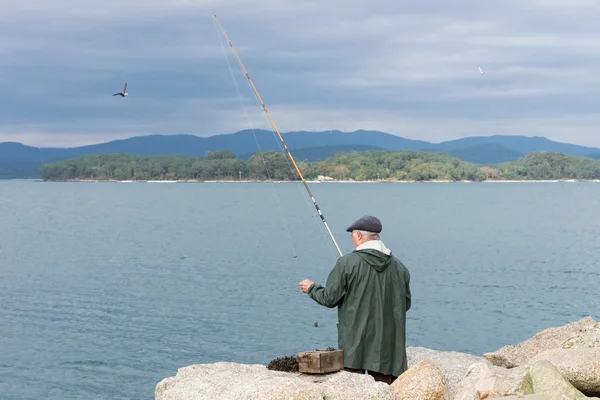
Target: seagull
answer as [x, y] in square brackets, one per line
[481, 71]
[123, 93]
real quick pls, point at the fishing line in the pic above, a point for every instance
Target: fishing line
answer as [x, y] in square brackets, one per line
[257, 144]
[278, 134]
[278, 142]
[280, 137]
[316, 324]
[312, 214]
[302, 194]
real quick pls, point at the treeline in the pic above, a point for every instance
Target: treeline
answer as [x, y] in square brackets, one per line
[357, 166]
[550, 166]
[217, 165]
[397, 165]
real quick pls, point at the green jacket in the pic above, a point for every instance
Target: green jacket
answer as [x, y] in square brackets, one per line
[372, 293]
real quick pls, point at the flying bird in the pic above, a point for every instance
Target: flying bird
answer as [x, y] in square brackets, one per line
[123, 93]
[481, 71]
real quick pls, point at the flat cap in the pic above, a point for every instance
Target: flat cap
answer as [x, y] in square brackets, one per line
[367, 223]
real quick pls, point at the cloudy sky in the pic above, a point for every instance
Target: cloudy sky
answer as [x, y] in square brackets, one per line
[408, 68]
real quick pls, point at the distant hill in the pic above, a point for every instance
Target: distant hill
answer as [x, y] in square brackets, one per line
[521, 144]
[20, 161]
[245, 142]
[486, 153]
[18, 170]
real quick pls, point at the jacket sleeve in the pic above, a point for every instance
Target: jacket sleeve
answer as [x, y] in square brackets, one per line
[333, 293]
[407, 282]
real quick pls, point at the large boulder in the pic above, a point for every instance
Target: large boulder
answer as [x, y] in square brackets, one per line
[580, 366]
[547, 379]
[552, 338]
[225, 380]
[453, 364]
[424, 381]
[484, 381]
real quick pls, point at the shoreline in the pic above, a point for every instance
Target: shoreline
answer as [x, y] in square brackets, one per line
[319, 181]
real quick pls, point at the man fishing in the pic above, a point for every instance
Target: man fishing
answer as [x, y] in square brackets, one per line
[371, 289]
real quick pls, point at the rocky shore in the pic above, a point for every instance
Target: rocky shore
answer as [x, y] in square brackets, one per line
[559, 363]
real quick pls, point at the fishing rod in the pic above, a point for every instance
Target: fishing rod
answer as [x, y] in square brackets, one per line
[278, 133]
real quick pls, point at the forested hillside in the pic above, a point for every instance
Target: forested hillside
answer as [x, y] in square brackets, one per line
[357, 166]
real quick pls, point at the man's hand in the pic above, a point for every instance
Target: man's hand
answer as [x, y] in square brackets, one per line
[305, 285]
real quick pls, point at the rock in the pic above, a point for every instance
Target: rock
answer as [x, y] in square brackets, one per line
[546, 379]
[224, 380]
[581, 367]
[487, 381]
[424, 381]
[586, 339]
[453, 364]
[535, 397]
[552, 338]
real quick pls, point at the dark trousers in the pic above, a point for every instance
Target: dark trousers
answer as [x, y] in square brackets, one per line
[389, 379]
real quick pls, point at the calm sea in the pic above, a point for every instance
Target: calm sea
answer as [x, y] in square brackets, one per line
[107, 288]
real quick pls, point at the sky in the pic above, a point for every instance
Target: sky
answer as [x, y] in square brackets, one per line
[407, 68]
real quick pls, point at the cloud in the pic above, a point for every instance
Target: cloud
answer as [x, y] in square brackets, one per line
[408, 69]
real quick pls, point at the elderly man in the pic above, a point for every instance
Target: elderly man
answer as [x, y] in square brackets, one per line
[371, 289]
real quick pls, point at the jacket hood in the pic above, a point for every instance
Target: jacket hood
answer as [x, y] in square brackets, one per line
[375, 254]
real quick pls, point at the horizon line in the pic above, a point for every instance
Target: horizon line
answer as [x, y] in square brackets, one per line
[294, 131]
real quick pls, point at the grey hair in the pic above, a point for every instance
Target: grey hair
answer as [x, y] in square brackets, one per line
[371, 235]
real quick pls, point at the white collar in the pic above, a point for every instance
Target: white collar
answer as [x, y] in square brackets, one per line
[374, 245]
